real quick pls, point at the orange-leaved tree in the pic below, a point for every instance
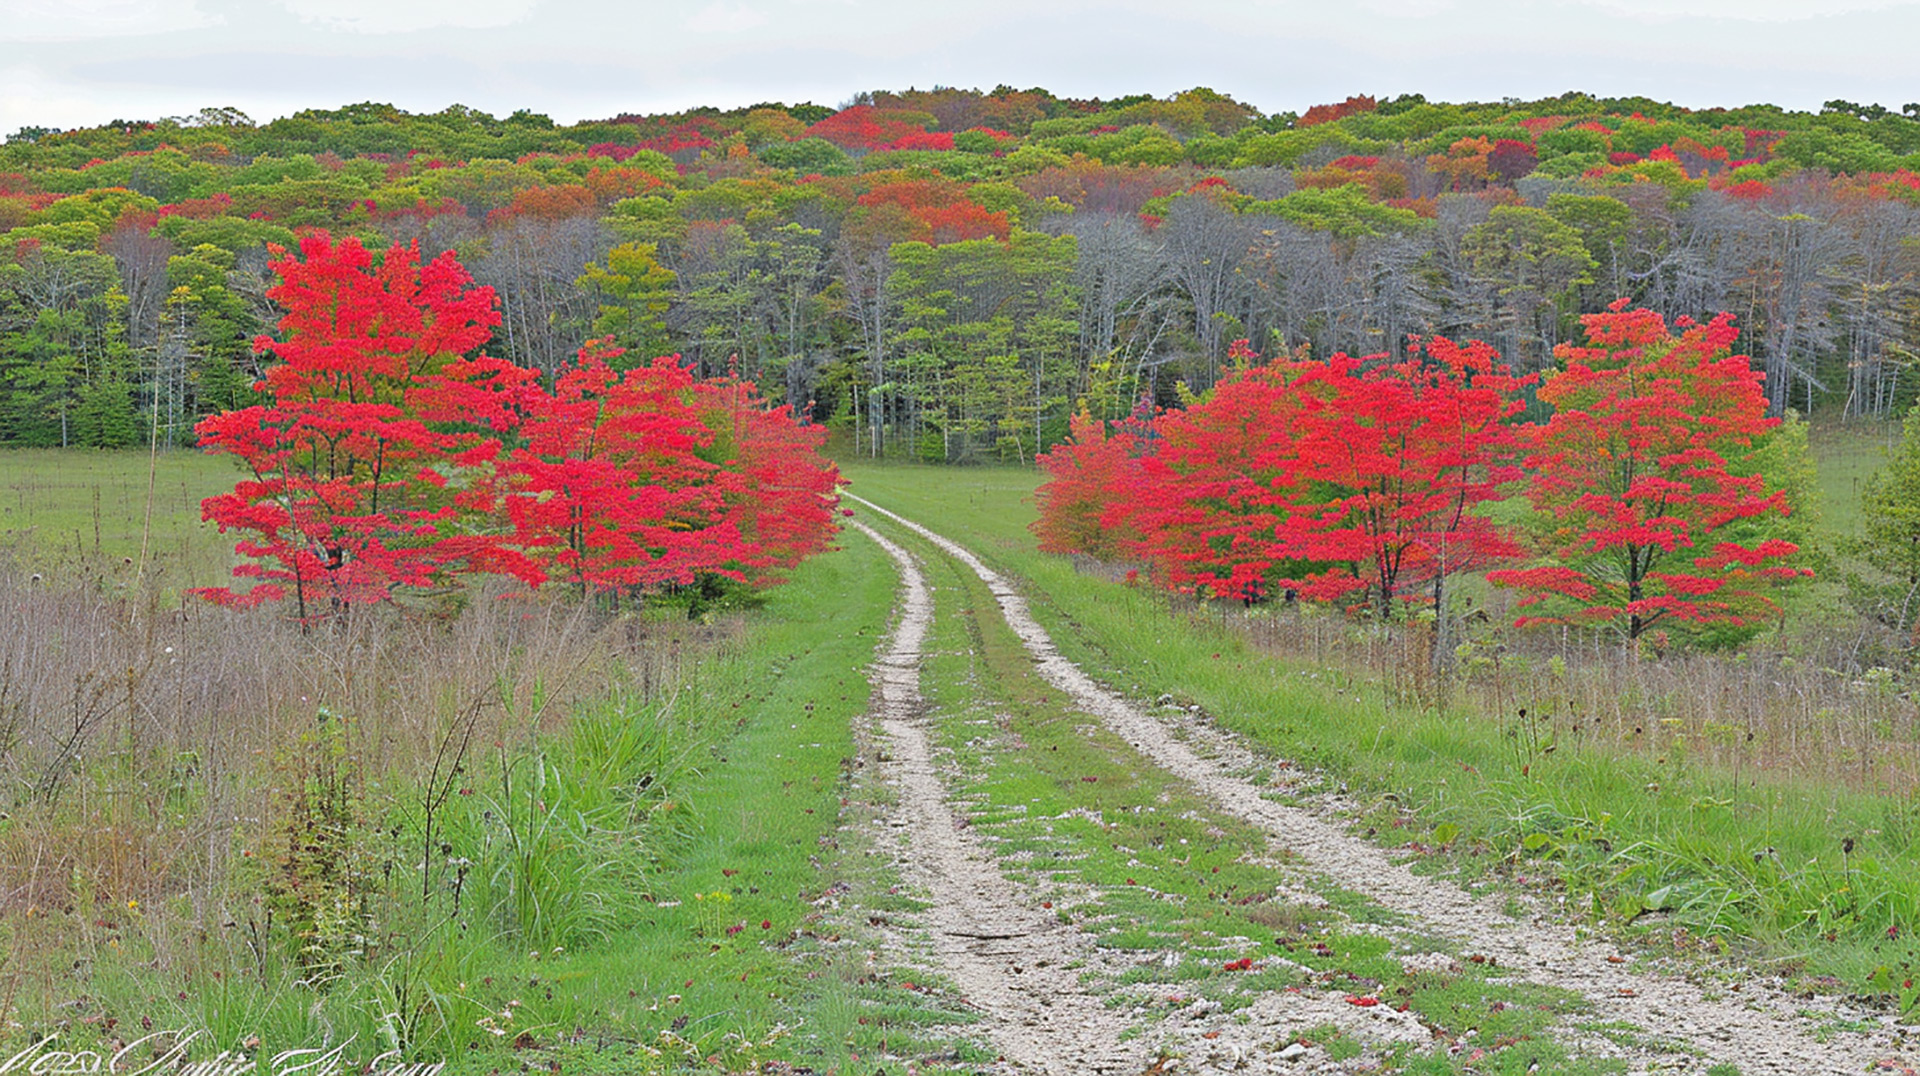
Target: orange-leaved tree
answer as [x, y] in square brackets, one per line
[1092, 487]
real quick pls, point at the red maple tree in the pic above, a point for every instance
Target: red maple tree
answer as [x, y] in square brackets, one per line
[375, 455]
[393, 455]
[1403, 456]
[1220, 485]
[1336, 478]
[1093, 478]
[774, 488]
[610, 491]
[1642, 472]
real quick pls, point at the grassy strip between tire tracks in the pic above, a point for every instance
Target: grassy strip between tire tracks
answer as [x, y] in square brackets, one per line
[1178, 892]
[1678, 854]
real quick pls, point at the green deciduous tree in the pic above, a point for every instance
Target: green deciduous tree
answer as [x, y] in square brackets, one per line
[633, 291]
[1532, 264]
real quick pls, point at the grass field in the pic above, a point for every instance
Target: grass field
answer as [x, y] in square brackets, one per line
[1847, 456]
[67, 507]
[653, 855]
[635, 858]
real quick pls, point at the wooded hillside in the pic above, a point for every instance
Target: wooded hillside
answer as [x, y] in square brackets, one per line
[948, 273]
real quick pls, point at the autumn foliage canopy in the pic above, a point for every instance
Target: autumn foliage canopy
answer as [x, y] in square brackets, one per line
[1369, 482]
[395, 454]
[1653, 519]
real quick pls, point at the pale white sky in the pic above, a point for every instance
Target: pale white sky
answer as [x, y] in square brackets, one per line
[66, 63]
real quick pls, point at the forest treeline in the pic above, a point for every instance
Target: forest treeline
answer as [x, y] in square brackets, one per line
[951, 273]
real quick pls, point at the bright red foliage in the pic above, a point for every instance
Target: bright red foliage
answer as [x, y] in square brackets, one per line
[775, 489]
[1084, 503]
[864, 127]
[384, 460]
[1637, 468]
[1352, 106]
[940, 211]
[611, 490]
[935, 140]
[1326, 479]
[1335, 478]
[687, 139]
[377, 448]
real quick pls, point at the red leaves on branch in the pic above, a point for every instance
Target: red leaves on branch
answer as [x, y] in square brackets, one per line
[1407, 453]
[1352, 106]
[379, 441]
[933, 140]
[775, 489]
[610, 491]
[863, 127]
[688, 138]
[939, 211]
[1638, 470]
[1512, 158]
[395, 455]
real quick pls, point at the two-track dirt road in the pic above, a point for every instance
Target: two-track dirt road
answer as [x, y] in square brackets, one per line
[1011, 959]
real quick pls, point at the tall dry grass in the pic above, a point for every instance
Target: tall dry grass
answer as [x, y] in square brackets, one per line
[142, 745]
[1800, 700]
[1794, 702]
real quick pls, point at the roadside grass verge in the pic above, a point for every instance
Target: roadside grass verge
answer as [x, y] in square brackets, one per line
[1804, 876]
[741, 953]
[1192, 905]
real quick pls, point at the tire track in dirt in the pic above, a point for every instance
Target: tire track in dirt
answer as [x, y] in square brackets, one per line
[1009, 958]
[1758, 1030]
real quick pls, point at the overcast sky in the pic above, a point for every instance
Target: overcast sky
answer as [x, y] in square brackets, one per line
[66, 63]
